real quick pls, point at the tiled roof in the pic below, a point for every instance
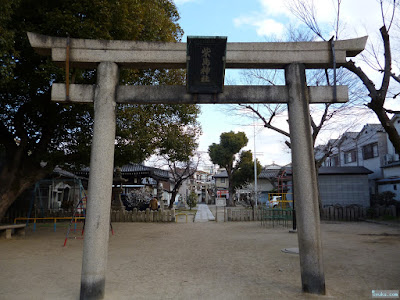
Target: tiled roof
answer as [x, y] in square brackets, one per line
[59, 171]
[269, 173]
[375, 127]
[343, 171]
[390, 180]
[130, 169]
[392, 164]
[222, 174]
[350, 134]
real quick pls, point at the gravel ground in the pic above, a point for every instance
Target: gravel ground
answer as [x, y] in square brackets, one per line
[235, 260]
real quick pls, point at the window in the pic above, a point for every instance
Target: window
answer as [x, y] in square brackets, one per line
[350, 156]
[370, 151]
[334, 161]
[222, 180]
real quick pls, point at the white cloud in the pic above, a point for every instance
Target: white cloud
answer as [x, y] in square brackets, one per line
[269, 27]
[264, 26]
[267, 21]
[357, 19]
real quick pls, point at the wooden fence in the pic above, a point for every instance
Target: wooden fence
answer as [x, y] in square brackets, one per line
[116, 216]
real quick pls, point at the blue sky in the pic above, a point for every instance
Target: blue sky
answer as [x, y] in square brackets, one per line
[260, 21]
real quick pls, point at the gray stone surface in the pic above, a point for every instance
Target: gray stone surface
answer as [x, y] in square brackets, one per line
[177, 94]
[203, 214]
[135, 54]
[97, 227]
[290, 250]
[305, 183]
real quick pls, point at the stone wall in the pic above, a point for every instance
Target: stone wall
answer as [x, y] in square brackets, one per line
[143, 216]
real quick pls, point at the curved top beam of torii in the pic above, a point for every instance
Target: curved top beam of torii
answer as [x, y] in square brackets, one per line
[135, 54]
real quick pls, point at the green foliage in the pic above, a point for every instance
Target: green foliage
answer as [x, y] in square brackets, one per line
[240, 172]
[244, 170]
[385, 198]
[192, 200]
[62, 133]
[34, 129]
[230, 144]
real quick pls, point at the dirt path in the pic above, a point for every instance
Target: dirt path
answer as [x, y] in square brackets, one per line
[203, 261]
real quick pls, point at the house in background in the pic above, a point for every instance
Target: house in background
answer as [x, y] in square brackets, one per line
[221, 184]
[272, 179]
[201, 183]
[337, 185]
[59, 191]
[344, 186]
[369, 148]
[391, 168]
[140, 176]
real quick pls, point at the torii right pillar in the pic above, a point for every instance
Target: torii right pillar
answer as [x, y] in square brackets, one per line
[304, 182]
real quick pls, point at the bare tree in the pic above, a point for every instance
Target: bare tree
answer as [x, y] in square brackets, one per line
[381, 63]
[321, 114]
[180, 171]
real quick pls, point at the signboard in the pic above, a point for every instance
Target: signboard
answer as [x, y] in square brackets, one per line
[223, 194]
[205, 64]
[220, 202]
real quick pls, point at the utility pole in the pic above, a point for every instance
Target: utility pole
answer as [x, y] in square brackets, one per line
[255, 165]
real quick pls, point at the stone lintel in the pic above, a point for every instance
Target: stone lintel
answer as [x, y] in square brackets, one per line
[134, 54]
[178, 95]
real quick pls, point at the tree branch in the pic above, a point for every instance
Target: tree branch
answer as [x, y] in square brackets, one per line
[388, 62]
[395, 77]
[350, 65]
[389, 111]
[324, 118]
[267, 124]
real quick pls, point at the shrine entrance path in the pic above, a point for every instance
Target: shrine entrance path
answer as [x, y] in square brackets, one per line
[203, 214]
[235, 260]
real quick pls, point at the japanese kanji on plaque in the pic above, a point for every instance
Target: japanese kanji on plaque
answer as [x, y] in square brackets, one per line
[205, 64]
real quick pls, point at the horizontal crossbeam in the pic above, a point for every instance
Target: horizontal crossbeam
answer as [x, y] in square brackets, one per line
[134, 54]
[173, 94]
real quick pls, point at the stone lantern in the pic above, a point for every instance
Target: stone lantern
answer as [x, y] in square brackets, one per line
[116, 203]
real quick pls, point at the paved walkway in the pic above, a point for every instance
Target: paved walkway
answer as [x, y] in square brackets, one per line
[203, 214]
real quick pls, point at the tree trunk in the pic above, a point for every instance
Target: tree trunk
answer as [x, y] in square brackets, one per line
[389, 127]
[14, 181]
[173, 195]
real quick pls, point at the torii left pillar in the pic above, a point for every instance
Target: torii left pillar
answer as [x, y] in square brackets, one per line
[95, 244]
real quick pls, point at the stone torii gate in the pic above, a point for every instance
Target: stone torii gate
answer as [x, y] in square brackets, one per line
[109, 56]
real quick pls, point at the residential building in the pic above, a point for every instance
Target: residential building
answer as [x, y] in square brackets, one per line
[369, 148]
[222, 184]
[337, 185]
[201, 184]
[391, 169]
